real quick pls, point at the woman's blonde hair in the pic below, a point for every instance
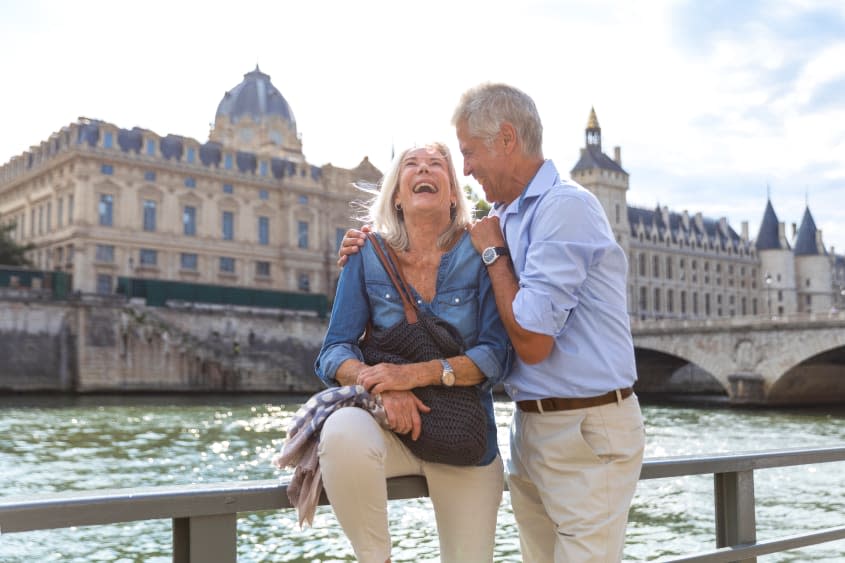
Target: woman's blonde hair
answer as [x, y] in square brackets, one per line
[387, 220]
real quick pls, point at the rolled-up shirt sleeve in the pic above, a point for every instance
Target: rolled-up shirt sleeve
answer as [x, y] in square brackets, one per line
[558, 261]
[350, 313]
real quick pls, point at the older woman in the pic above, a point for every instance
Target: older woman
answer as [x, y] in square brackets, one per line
[421, 213]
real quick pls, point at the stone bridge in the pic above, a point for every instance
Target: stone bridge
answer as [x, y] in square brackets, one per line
[787, 360]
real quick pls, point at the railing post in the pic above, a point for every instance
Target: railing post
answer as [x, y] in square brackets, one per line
[205, 539]
[736, 522]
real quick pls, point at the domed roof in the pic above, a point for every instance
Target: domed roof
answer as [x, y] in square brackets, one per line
[255, 96]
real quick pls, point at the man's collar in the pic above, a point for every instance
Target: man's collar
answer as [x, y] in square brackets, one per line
[543, 178]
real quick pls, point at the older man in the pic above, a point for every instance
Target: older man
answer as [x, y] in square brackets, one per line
[559, 278]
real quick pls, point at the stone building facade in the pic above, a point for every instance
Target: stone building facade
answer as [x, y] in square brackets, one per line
[244, 208]
[687, 266]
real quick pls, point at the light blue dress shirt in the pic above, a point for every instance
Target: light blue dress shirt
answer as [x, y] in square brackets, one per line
[572, 286]
[464, 297]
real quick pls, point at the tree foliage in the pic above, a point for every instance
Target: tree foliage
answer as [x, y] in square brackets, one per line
[11, 253]
[482, 208]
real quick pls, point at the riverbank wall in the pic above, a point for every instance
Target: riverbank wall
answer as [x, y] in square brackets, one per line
[104, 344]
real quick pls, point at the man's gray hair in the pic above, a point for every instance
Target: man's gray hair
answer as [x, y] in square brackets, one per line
[485, 107]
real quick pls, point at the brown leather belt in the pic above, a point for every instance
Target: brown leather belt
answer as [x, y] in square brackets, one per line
[560, 404]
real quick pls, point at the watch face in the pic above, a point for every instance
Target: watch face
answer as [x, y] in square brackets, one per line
[448, 378]
[489, 255]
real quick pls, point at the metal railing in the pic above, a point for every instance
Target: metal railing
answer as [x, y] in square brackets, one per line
[205, 516]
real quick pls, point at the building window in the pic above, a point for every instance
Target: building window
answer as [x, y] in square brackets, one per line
[707, 304]
[191, 155]
[69, 209]
[190, 182]
[262, 168]
[618, 214]
[104, 284]
[695, 303]
[656, 299]
[106, 210]
[683, 302]
[107, 169]
[227, 264]
[60, 213]
[264, 230]
[302, 234]
[668, 267]
[188, 261]
[655, 266]
[40, 219]
[151, 147]
[149, 215]
[642, 261]
[108, 140]
[148, 257]
[227, 188]
[263, 194]
[50, 222]
[670, 301]
[303, 200]
[150, 176]
[304, 282]
[189, 220]
[104, 253]
[262, 269]
[227, 162]
[228, 225]
[643, 299]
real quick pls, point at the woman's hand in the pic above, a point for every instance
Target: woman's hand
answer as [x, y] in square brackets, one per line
[388, 377]
[403, 410]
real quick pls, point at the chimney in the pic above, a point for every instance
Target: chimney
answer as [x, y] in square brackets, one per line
[745, 230]
[617, 155]
[794, 230]
[782, 234]
[819, 242]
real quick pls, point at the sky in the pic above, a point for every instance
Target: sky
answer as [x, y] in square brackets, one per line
[716, 105]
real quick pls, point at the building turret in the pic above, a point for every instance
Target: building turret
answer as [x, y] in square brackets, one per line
[605, 178]
[777, 265]
[813, 268]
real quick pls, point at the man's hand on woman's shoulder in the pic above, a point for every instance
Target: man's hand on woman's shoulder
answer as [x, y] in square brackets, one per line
[352, 241]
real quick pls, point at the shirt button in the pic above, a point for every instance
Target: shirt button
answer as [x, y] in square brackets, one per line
[457, 299]
[387, 296]
[419, 301]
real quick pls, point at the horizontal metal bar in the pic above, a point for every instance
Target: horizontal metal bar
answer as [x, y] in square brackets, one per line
[660, 468]
[737, 552]
[108, 506]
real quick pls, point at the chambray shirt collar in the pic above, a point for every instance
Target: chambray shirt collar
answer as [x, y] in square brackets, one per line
[545, 176]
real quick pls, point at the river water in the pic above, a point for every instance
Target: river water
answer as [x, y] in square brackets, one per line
[62, 444]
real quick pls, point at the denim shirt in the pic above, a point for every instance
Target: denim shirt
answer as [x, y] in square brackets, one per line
[464, 297]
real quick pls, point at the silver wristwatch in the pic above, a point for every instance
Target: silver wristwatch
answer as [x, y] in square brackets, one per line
[492, 253]
[447, 377]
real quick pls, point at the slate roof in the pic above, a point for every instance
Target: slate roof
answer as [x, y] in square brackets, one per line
[709, 231]
[593, 157]
[255, 96]
[805, 242]
[767, 237]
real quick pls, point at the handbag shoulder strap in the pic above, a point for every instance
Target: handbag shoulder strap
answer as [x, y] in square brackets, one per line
[395, 275]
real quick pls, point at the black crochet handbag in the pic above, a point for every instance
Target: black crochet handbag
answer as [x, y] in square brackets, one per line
[455, 431]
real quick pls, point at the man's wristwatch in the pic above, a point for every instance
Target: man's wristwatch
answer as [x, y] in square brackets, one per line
[492, 253]
[447, 378]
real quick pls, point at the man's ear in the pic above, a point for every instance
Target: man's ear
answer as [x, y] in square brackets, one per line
[509, 137]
